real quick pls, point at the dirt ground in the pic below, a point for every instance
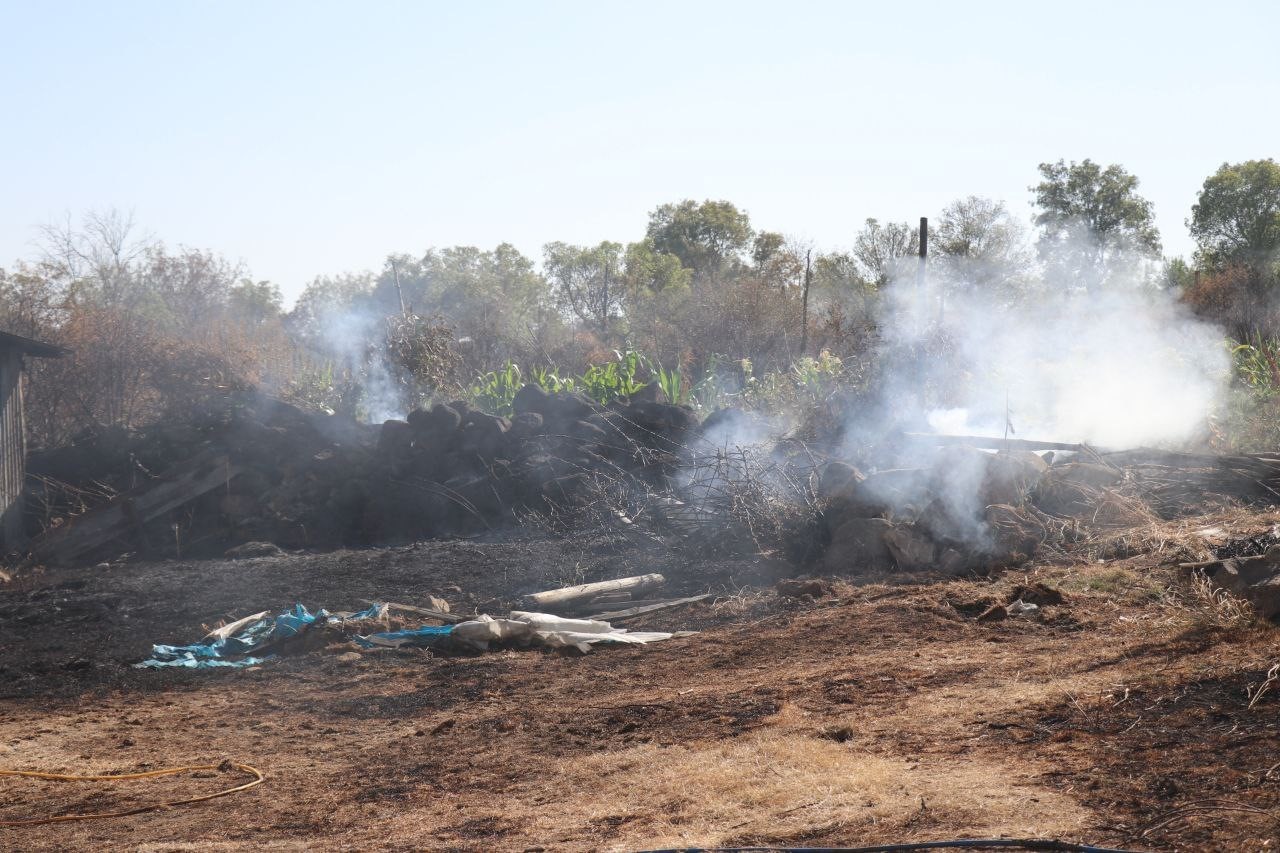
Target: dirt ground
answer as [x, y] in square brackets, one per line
[869, 712]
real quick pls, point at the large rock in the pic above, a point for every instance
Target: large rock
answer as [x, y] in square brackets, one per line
[912, 549]
[858, 545]
[837, 478]
[1255, 579]
[1011, 477]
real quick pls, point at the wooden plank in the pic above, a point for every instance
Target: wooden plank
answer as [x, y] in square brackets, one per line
[995, 442]
[13, 451]
[587, 591]
[619, 615]
[447, 618]
[177, 486]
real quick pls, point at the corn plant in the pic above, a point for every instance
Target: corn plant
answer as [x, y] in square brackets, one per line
[612, 380]
[550, 380]
[815, 378]
[1257, 365]
[495, 391]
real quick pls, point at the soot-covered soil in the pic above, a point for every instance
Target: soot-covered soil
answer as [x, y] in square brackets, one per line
[861, 712]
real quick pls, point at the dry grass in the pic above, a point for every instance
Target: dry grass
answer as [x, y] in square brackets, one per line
[780, 783]
[1215, 607]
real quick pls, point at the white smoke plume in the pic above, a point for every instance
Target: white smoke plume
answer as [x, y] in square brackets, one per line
[1120, 364]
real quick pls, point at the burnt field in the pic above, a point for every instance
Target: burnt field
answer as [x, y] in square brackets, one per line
[837, 643]
[1130, 708]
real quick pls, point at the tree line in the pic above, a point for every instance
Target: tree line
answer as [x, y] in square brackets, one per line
[154, 329]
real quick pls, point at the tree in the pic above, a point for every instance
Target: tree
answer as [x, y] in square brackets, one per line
[880, 248]
[317, 315]
[979, 245]
[649, 272]
[587, 280]
[1094, 226]
[707, 238]
[1236, 218]
[492, 298]
[777, 261]
[256, 301]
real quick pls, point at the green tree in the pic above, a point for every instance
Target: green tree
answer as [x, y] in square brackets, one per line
[1093, 223]
[649, 272]
[778, 262]
[587, 280]
[492, 298]
[324, 302]
[1236, 218]
[657, 290]
[255, 301]
[707, 237]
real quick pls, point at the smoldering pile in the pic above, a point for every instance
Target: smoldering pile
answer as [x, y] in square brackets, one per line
[258, 470]
[261, 470]
[957, 509]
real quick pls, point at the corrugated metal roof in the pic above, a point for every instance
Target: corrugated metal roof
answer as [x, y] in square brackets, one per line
[27, 346]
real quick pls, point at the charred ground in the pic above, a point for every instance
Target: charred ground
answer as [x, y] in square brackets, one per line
[865, 709]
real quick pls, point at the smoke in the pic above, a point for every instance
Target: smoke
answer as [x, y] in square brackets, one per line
[352, 336]
[1101, 356]
[1118, 362]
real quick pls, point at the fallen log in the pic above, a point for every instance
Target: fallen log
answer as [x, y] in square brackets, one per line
[619, 615]
[584, 592]
[125, 513]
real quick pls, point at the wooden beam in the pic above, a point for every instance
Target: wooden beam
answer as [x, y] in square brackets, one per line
[995, 442]
[619, 615]
[179, 485]
[447, 618]
[585, 592]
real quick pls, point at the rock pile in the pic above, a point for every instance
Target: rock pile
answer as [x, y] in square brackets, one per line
[957, 509]
[304, 480]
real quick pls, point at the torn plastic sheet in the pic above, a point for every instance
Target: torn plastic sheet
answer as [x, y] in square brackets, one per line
[232, 645]
[427, 635]
[521, 628]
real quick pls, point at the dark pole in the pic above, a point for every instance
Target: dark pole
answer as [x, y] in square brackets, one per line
[395, 273]
[920, 267]
[804, 309]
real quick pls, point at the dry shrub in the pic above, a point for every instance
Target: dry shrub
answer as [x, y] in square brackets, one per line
[1215, 607]
[1231, 298]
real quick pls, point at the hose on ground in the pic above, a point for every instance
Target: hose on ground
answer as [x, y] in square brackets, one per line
[258, 779]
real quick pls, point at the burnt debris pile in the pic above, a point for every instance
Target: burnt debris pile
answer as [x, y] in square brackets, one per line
[260, 471]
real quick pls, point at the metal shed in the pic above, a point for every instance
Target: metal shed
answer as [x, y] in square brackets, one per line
[13, 436]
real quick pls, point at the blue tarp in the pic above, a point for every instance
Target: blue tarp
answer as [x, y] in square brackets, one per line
[427, 635]
[235, 651]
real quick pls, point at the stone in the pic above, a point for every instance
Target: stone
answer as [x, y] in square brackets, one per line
[1011, 477]
[910, 548]
[858, 545]
[254, 549]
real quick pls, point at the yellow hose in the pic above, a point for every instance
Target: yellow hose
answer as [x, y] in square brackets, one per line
[170, 771]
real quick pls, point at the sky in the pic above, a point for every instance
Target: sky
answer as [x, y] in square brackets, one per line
[309, 138]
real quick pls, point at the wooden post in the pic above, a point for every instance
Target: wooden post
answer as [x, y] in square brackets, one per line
[13, 450]
[395, 274]
[804, 307]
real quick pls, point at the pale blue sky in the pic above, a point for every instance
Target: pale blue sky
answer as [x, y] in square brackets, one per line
[307, 138]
